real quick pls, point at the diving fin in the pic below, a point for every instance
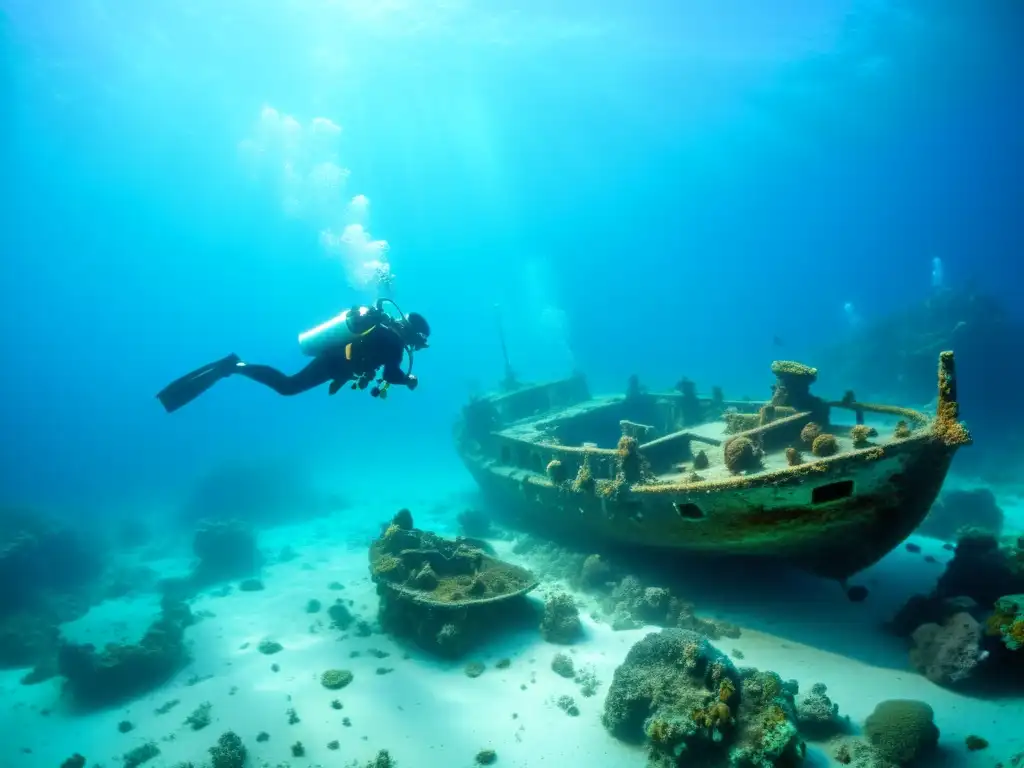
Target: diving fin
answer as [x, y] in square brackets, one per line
[335, 386]
[190, 386]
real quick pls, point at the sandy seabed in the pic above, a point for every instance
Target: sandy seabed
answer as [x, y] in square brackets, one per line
[429, 713]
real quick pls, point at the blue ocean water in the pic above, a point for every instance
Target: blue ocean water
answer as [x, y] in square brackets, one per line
[664, 189]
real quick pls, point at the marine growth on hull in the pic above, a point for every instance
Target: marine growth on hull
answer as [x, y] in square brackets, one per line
[750, 477]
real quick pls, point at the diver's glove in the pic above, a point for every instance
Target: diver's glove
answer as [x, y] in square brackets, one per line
[412, 382]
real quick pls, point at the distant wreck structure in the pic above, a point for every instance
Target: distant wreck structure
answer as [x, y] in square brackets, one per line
[797, 478]
[892, 358]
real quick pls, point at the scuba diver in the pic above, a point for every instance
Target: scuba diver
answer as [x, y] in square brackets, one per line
[349, 347]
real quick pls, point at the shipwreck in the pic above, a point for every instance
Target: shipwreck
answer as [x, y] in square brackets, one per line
[827, 486]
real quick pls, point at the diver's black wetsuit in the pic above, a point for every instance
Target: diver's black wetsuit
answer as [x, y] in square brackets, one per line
[381, 347]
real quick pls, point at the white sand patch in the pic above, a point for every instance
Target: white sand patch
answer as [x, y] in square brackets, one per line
[429, 713]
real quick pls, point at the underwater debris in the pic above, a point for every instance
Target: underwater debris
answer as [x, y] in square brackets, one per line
[75, 761]
[251, 585]
[313, 606]
[125, 726]
[486, 757]
[445, 595]
[474, 669]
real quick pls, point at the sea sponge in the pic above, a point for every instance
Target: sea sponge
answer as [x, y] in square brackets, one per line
[741, 455]
[860, 435]
[902, 430]
[825, 445]
[793, 457]
[809, 432]
[700, 460]
[902, 731]
[335, 679]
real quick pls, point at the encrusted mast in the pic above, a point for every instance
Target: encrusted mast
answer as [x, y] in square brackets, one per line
[948, 427]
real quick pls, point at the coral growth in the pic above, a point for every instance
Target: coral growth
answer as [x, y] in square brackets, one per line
[809, 432]
[793, 389]
[229, 752]
[817, 716]
[742, 455]
[98, 678]
[584, 480]
[700, 461]
[825, 445]
[689, 702]
[948, 654]
[444, 594]
[561, 621]
[1007, 621]
[335, 679]
[740, 422]
[793, 457]
[861, 435]
[51, 574]
[902, 731]
[902, 430]
[632, 605]
[984, 572]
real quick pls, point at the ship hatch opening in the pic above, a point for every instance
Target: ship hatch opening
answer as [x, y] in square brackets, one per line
[688, 511]
[832, 492]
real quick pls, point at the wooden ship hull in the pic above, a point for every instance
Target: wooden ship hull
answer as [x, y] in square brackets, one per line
[702, 474]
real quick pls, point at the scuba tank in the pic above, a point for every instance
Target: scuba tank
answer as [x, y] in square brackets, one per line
[340, 331]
